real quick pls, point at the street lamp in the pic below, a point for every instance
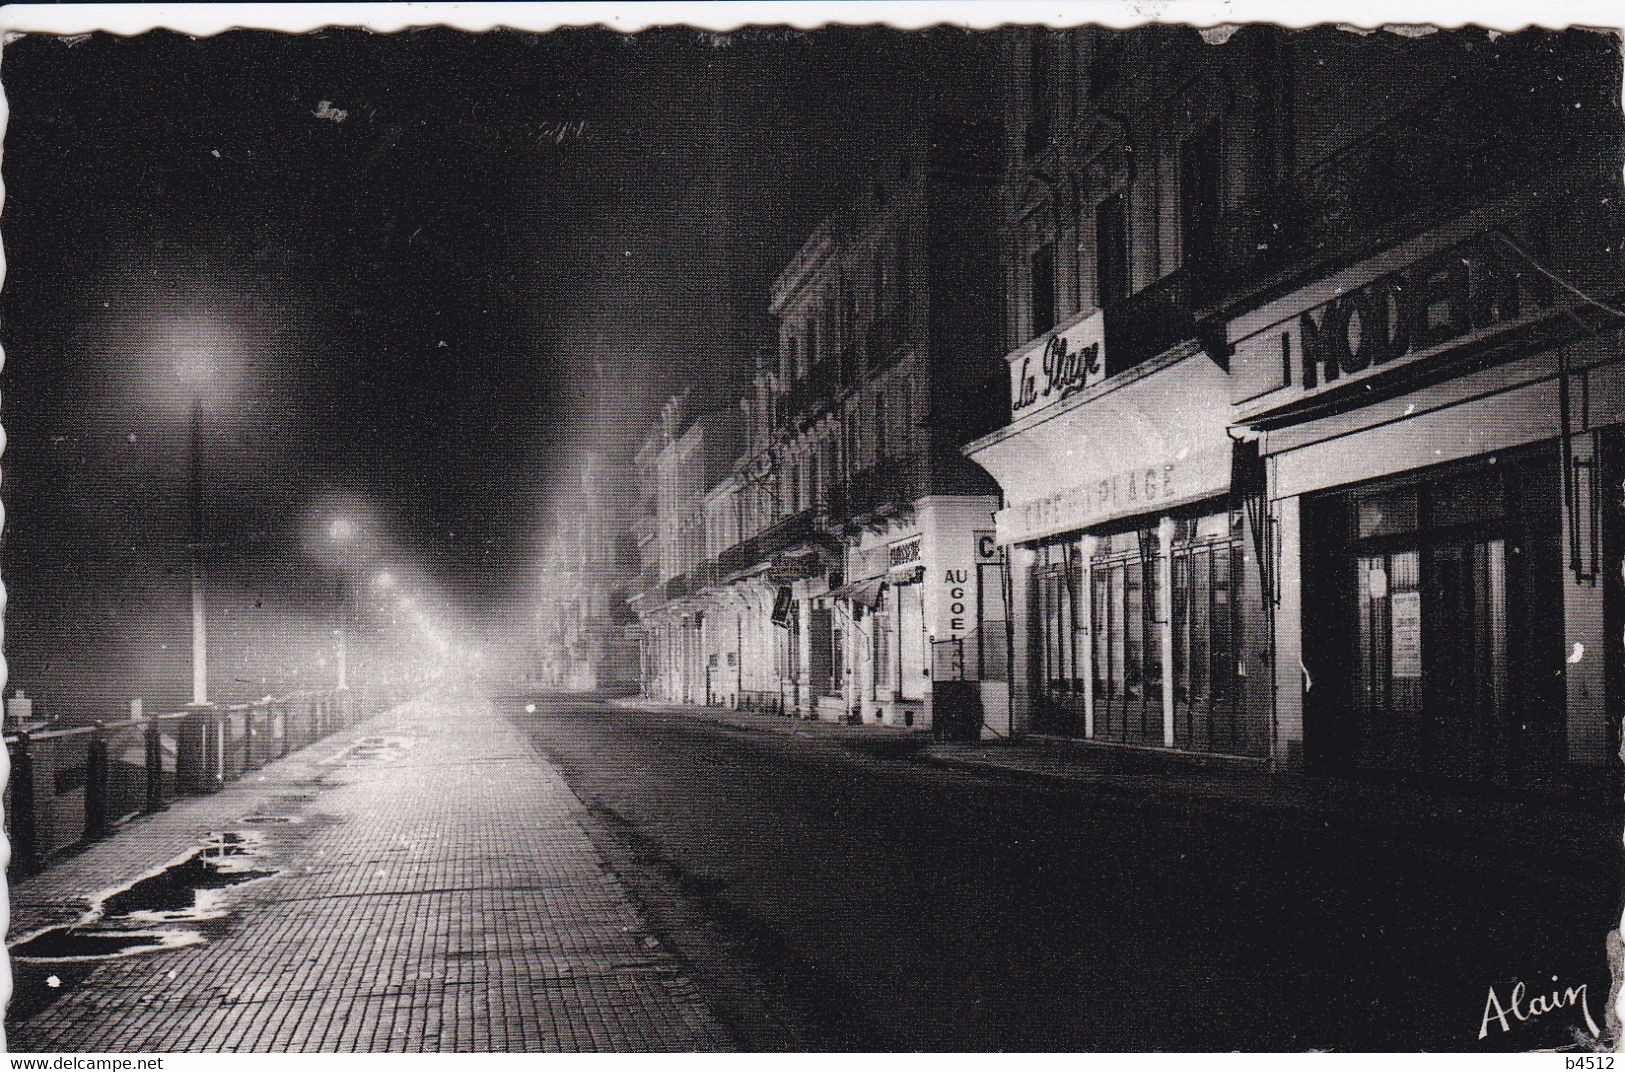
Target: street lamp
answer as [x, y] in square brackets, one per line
[342, 533]
[193, 371]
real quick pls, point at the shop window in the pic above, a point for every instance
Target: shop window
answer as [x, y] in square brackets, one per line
[880, 631]
[1060, 635]
[911, 653]
[1128, 644]
[1042, 277]
[1430, 679]
[1207, 631]
[1387, 513]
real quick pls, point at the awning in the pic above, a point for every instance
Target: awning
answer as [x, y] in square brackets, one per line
[865, 592]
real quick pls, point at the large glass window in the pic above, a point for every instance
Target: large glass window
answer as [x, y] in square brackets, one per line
[1059, 634]
[1128, 638]
[1208, 672]
[1435, 680]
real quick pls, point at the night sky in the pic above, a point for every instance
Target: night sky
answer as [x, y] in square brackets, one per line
[422, 271]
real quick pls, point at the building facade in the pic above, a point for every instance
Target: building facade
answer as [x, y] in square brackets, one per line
[581, 639]
[860, 520]
[1310, 397]
[680, 459]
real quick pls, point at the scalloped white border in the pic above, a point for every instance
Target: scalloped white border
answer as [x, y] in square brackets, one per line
[725, 15]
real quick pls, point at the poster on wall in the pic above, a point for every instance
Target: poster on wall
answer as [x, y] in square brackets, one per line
[1407, 635]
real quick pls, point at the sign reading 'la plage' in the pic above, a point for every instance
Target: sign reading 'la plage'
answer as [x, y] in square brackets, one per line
[1058, 366]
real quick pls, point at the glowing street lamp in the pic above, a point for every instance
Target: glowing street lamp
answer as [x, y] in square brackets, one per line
[193, 370]
[342, 533]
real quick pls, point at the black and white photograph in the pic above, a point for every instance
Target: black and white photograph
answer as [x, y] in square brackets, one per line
[849, 529]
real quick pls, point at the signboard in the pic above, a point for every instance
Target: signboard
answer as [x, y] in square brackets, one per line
[1470, 290]
[904, 554]
[1058, 366]
[1406, 649]
[1144, 489]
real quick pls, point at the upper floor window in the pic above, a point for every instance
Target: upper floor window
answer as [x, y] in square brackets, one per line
[1040, 94]
[793, 359]
[1106, 63]
[1042, 299]
[812, 345]
[1199, 181]
[1111, 249]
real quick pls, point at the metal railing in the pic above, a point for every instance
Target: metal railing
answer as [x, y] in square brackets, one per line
[1148, 322]
[72, 786]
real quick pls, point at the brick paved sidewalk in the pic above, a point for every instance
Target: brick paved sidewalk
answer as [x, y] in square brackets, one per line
[437, 892]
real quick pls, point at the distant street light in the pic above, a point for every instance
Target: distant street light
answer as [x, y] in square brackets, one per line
[342, 532]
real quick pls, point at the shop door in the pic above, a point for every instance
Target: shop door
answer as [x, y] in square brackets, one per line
[820, 652]
[1438, 685]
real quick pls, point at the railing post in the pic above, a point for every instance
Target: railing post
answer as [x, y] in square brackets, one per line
[96, 784]
[155, 766]
[24, 827]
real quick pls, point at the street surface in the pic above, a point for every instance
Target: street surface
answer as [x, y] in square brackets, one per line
[466, 875]
[427, 885]
[883, 903]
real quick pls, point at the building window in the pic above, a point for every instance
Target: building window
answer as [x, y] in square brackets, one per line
[1040, 95]
[1111, 249]
[1042, 275]
[792, 360]
[1199, 179]
[880, 427]
[812, 346]
[1106, 64]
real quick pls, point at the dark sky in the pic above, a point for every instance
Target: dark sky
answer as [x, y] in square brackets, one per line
[402, 296]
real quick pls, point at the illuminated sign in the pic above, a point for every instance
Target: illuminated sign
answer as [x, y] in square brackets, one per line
[903, 553]
[1058, 366]
[1197, 475]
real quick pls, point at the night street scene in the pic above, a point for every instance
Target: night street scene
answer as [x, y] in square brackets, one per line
[847, 539]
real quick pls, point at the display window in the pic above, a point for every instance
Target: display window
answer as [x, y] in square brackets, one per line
[1209, 670]
[1127, 637]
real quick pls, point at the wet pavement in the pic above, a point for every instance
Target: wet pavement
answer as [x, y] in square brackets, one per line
[891, 903]
[420, 883]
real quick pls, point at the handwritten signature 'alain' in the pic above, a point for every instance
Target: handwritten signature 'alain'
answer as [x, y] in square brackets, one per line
[1522, 1008]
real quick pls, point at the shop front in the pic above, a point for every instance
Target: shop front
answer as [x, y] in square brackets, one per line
[1438, 448]
[915, 617]
[1139, 619]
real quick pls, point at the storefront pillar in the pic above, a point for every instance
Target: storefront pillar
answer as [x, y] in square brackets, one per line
[1585, 678]
[1292, 680]
[1165, 615]
[1086, 614]
[1021, 703]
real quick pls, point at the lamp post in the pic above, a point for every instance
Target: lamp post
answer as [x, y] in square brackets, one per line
[199, 755]
[342, 532]
[200, 629]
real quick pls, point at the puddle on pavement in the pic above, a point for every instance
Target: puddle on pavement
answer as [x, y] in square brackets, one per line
[268, 819]
[136, 918]
[370, 749]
